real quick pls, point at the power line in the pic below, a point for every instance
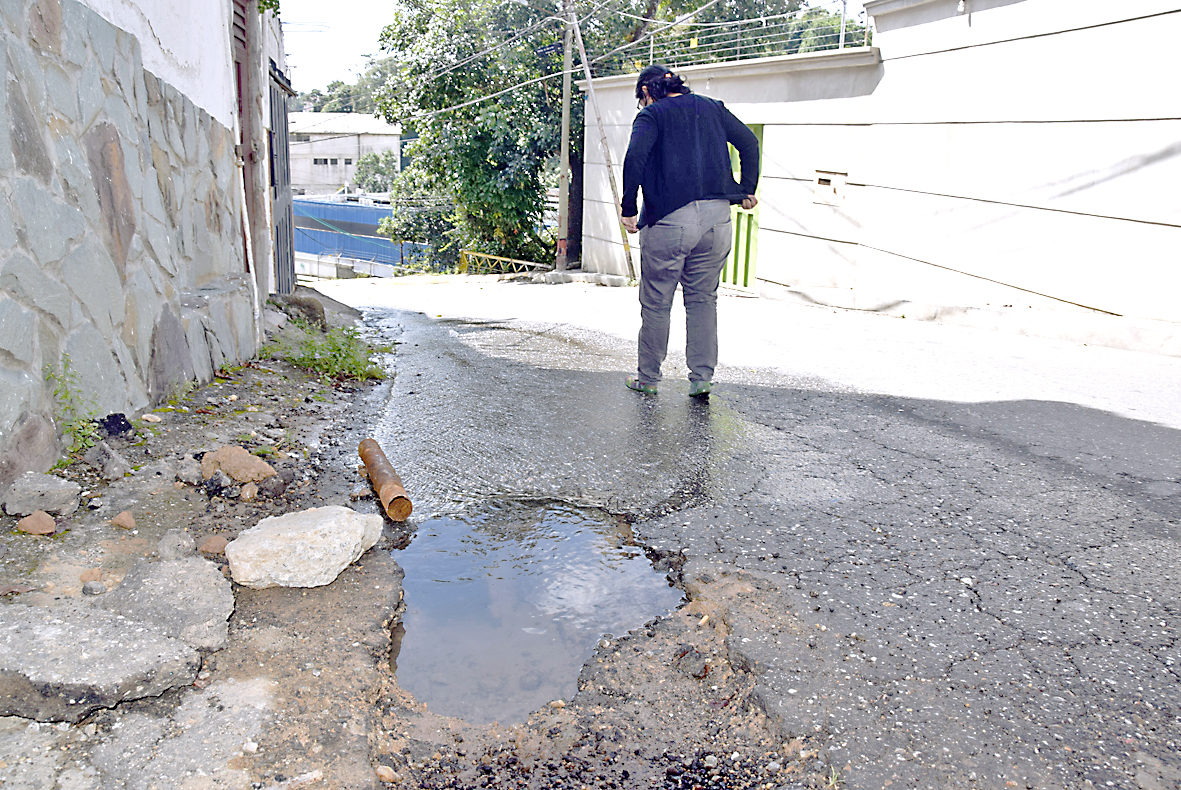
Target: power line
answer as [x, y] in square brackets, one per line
[648, 35]
[490, 50]
[678, 22]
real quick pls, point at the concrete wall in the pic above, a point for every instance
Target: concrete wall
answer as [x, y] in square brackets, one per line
[1014, 166]
[309, 178]
[120, 227]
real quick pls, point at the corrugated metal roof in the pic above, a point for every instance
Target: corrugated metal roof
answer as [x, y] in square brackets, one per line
[338, 123]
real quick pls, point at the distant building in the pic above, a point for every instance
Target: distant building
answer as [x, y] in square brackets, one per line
[325, 147]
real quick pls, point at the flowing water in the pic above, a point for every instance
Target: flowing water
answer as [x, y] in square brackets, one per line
[504, 603]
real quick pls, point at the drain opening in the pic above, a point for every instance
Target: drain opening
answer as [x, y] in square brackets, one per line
[505, 603]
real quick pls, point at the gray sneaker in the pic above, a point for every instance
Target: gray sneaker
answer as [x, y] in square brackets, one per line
[699, 389]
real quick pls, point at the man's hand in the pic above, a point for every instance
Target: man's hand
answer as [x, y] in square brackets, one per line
[629, 224]
[750, 202]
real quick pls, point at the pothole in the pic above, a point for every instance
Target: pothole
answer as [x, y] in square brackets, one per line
[504, 604]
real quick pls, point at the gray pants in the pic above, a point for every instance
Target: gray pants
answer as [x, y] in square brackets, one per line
[690, 247]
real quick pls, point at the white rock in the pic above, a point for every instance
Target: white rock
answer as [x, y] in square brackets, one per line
[305, 549]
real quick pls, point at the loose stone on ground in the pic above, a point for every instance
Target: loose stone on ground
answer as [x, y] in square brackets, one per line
[32, 492]
[238, 463]
[305, 549]
[37, 523]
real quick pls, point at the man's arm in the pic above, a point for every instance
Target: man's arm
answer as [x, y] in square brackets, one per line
[744, 140]
[639, 148]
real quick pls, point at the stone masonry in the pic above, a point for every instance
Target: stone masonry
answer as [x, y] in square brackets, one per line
[120, 229]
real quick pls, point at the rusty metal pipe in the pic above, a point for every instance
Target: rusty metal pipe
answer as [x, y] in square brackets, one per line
[385, 481]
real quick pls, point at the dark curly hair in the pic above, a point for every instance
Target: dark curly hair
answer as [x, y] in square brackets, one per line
[660, 82]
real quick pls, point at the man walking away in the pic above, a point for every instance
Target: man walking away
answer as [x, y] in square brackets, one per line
[678, 156]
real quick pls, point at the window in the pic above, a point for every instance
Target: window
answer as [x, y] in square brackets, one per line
[301, 138]
[348, 161]
[332, 162]
[319, 161]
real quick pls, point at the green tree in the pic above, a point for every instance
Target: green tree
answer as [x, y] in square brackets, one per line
[376, 172]
[340, 97]
[358, 97]
[490, 159]
[313, 97]
[495, 158]
[424, 218]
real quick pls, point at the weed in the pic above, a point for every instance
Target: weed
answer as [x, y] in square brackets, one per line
[834, 781]
[181, 392]
[75, 416]
[340, 353]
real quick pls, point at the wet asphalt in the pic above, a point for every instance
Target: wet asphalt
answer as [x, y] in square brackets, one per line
[982, 585]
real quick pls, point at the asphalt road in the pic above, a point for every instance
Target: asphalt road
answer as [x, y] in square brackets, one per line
[974, 536]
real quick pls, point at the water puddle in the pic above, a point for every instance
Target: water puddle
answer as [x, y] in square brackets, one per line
[504, 604]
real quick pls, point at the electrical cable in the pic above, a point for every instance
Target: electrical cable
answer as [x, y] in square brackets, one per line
[470, 58]
[797, 12]
[642, 39]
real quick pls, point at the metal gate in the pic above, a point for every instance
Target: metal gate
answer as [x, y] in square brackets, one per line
[281, 184]
[740, 268]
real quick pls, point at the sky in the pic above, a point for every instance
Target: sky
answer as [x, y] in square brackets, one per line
[329, 41]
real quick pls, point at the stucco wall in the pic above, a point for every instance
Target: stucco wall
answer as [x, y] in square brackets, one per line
[1014, 166]
[312, 179]
[120, 228]
[186, 44]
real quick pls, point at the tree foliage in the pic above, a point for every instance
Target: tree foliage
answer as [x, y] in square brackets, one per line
[377, 171]
[358, 97]
[424, 219]
[488, 159]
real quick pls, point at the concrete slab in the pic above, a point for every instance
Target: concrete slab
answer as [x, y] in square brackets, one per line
[61, 663]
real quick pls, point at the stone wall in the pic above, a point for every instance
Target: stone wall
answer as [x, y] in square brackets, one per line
[120, 228]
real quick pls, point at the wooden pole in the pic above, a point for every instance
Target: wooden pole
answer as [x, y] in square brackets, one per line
[564, 173]
[590, 87]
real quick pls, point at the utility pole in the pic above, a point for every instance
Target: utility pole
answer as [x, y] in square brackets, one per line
[564, 172]
[844, 11]
[590, 88]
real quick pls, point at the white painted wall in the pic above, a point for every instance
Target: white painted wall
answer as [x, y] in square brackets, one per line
[316, 179]
[1011, 166]
[186, 44]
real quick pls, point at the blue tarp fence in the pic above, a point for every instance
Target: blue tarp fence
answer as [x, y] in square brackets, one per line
[349, 230]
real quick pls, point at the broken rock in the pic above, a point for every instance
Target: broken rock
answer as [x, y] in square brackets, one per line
[187, 599]
[237, 462]
[124, 520]
[305, 549]
[214, 544]
[109, 463]
[38, 523]
[33, 491]
[61, 663]
[188, 471]
[175, 545]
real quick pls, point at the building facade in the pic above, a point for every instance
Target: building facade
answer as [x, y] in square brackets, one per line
[325, 147]
[137, 222]
[987, 162]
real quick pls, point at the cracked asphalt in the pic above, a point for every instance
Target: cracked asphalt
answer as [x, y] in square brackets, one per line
[961, 548]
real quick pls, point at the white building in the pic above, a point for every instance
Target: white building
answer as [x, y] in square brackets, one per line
[325, 147]
[1002, 163]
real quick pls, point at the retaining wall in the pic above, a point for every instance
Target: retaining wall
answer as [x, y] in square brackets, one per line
[120, 228]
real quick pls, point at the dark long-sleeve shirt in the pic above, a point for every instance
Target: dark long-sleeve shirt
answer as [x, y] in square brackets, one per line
[678, 154]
